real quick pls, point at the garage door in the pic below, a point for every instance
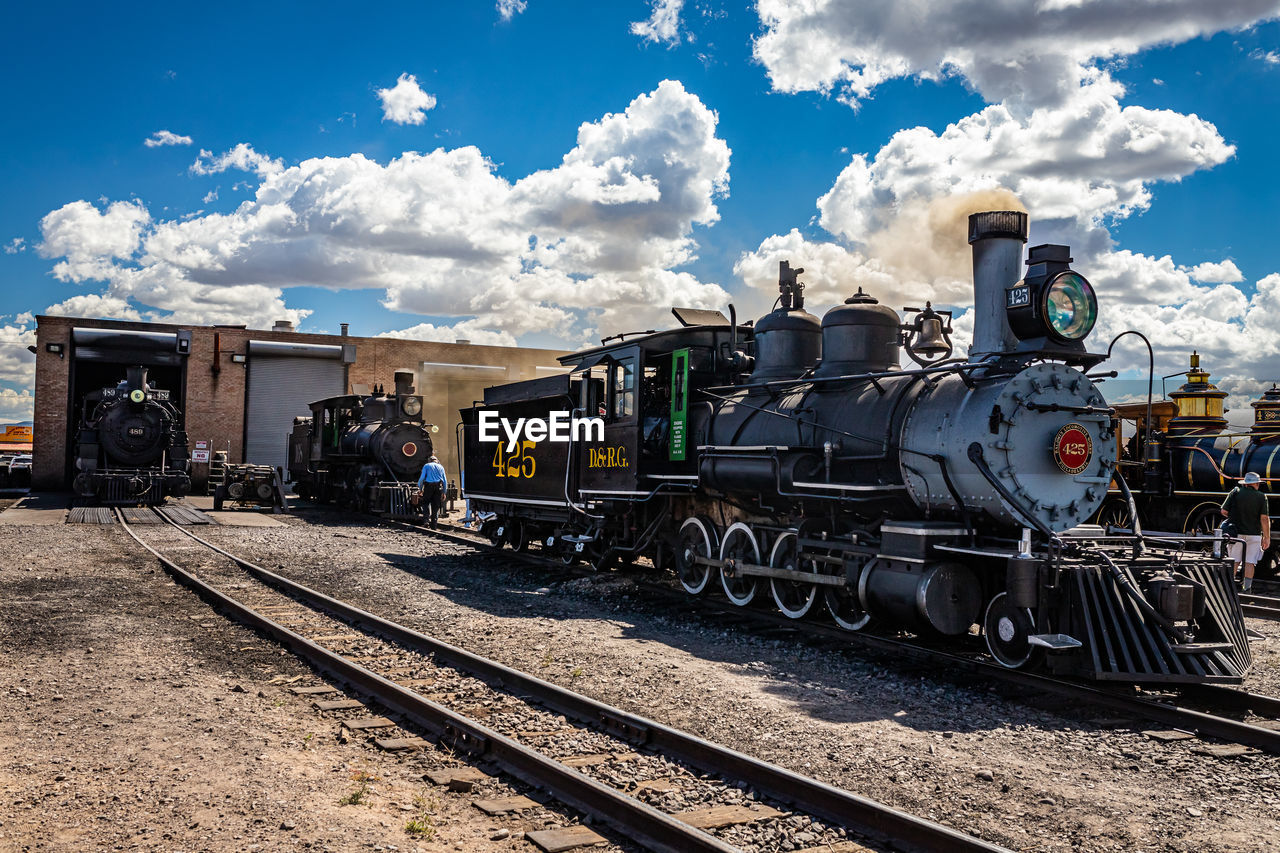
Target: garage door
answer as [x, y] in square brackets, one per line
[284, 379]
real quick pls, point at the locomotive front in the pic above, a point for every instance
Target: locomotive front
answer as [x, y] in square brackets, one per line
[130, 447]
[949, 494]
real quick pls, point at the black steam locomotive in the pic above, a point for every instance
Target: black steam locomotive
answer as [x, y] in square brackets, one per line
[130, 447]
[363, 452]
[1181, 458]
[795, 458]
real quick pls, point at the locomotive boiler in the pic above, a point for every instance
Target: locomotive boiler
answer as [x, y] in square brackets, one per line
[130, 446]
[795, 458]
[362, 451]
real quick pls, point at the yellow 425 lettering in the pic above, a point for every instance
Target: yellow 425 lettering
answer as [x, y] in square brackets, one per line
[518, 464]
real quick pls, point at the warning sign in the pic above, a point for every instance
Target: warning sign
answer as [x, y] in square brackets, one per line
[200, 456]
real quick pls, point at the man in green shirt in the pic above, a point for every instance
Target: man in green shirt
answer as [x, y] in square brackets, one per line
[1246, 509]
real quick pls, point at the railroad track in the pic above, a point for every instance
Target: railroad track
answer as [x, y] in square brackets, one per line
[389, 664]
[1158, 707]
[1260, 606]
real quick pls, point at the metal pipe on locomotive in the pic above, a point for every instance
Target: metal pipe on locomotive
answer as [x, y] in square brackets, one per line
[130, 447]
[364, 451]
[797, 453]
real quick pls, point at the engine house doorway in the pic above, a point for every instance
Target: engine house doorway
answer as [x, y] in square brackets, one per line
[101, 360]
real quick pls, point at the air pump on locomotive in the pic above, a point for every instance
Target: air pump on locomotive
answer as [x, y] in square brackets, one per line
[131, 448]
[796, 458]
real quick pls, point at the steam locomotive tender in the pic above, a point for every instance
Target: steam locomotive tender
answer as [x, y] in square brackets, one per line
[363, 452]
[131, 448]
[796, 458]
[1182, 466]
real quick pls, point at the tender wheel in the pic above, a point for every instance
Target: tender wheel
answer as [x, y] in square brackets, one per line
[1007, 630]
[518, 536]
[739, 544]
[793, 598]
[495, 531]
[696, 539]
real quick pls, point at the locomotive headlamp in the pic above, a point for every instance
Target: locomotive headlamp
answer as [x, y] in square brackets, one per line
[435, 428]
[1071, 309]
[411, 406]
[137, 395]
[1053, 301]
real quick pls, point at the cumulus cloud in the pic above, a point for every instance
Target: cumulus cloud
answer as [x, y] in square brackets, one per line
[1030, 52]
[16, 406]
[466, 330]
[17, 364]
[16, 245]
[508, 9]
[591, 242]
[1224, 272]
[98, 305]
[1270, 57]
[164, 137]
[663, 23]
[406, 103]
[242, 157]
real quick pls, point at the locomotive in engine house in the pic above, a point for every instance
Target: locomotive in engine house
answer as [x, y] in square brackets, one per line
[794, 458]
[130, 447]
[362, 451]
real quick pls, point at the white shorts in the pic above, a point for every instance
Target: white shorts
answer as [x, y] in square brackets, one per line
[1252, 547]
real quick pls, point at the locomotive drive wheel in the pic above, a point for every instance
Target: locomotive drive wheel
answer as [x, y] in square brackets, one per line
[695, 540]
[739, 544]
[1007, 630]
[845, 608]
[794, 599]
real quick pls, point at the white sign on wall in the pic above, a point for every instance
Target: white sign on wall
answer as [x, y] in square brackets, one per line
[199, 456]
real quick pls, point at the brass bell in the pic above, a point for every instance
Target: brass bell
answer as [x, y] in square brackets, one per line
[931, 340]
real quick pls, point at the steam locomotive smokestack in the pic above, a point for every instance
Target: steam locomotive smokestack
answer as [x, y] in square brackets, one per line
[404, 382]
[136, 377]
[997, 237]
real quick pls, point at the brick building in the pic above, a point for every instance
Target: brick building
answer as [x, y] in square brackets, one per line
[239, 389]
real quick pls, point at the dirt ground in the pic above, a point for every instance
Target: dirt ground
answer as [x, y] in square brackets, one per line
[133, 717]
[122, 724]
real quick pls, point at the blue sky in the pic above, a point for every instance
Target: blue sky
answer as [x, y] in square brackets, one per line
[581, 166]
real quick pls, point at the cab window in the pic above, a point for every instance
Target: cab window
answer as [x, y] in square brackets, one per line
[623, 387]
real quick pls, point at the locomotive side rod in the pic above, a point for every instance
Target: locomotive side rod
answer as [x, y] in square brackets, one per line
[897, 829]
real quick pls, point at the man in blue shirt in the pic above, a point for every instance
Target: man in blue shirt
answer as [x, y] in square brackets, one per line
[432, 482]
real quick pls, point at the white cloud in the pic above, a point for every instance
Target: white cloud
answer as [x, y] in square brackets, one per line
[17, 363]
[102, 306]
[466, 330]
[16, 406]
[1028, 52]
[1224, 272]
[211, 195]
[592, 241]
[164, 137]
[242, 157]
[16, 245]
[663, 23]
[508, 9]
[406, 103]
[1270, 57]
